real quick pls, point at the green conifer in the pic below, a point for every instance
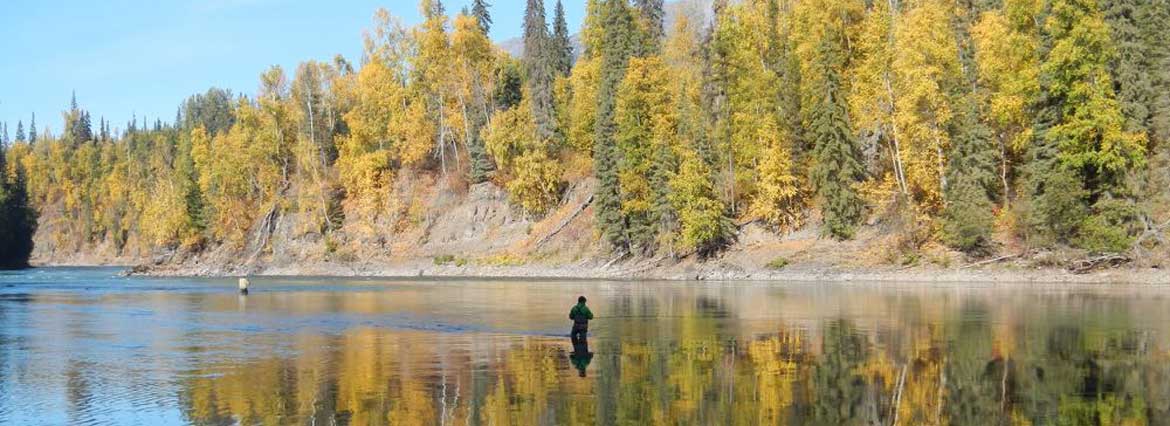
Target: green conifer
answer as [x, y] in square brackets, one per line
[837, 166]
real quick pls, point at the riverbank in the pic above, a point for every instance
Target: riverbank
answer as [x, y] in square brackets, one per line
[687, 271]
[480, 234]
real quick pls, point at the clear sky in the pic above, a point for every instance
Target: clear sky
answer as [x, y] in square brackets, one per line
[143, 57]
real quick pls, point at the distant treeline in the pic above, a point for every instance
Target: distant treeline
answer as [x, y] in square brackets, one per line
[964, 122]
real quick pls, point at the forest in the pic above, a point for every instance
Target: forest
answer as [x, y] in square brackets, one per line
[965, 123]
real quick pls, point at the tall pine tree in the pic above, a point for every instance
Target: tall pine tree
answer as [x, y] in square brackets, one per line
[652, 15]
[479, 9]
[837, 166]
[968, 219]
[617, 26]
[562, 47]
[1082, 153]
[17, 217]
[538, 64]
[32, 129]
[1152, 19]
[645, 141]
[1134, 68]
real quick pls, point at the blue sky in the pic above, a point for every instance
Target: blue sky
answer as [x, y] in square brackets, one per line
[142, 57]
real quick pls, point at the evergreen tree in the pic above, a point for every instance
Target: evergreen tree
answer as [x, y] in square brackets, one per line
[538, 64]
[837, 166]
[213, 110]
[105, 129]
[618, 26]
[32, 129]
[20, 131]
[17, 217]
[652, 15]
[1152, 18]
[968, 219]
[4, 134]
[644, 140]
[562, 47]
[1090, 134]
[509, 85]
[87, 127]
[479, 9]
[713, 92]
[1053, 197]
[1139, 68]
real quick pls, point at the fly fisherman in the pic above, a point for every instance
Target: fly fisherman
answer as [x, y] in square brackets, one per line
[580, 314]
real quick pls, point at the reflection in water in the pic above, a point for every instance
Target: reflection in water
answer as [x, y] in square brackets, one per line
[466, 352]
[581, 357]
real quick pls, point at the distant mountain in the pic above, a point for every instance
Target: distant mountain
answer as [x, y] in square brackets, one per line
[695, 9]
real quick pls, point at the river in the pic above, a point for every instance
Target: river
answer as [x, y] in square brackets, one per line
[87, 346]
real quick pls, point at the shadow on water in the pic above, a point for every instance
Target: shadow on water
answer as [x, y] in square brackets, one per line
[657, 353]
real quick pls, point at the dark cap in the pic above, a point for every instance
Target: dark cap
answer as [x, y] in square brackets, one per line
[581, 299]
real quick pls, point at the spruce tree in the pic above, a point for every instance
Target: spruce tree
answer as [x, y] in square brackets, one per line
[4, 134]
[1151, 20]
[481, 164]
[87, 127]
[509, 85]
[1133, 67]
[479, 9]
[562, 47]
[618, 25]
[652, 15]
[1091, 133]
[17, 218]
[32, 129]
[20, 131]
[1053, 196]
[968, 219]
[714, 92]
[837, 166]
[644, 143]
[539, 68]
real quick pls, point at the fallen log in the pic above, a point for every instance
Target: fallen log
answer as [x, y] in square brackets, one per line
[990, 261]
[1085, 266]
[565, 222]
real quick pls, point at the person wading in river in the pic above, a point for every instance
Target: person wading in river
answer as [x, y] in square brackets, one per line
[580, 314]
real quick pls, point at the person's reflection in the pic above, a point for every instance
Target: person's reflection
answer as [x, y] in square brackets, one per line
[581, 355]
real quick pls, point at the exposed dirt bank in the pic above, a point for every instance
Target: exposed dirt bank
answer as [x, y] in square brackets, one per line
[477, 233]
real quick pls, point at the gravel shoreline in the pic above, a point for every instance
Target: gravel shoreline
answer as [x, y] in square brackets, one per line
[425, 268]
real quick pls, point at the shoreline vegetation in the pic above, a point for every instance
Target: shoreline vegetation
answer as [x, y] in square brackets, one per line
[820, 139]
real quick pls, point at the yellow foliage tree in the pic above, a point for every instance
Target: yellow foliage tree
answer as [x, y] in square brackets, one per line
[526, 169]
[1007, 42]
[925, 71]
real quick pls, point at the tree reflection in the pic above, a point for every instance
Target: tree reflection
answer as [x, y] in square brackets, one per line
[923, 367]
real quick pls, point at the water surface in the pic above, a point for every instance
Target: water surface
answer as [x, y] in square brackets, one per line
[84, 346]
